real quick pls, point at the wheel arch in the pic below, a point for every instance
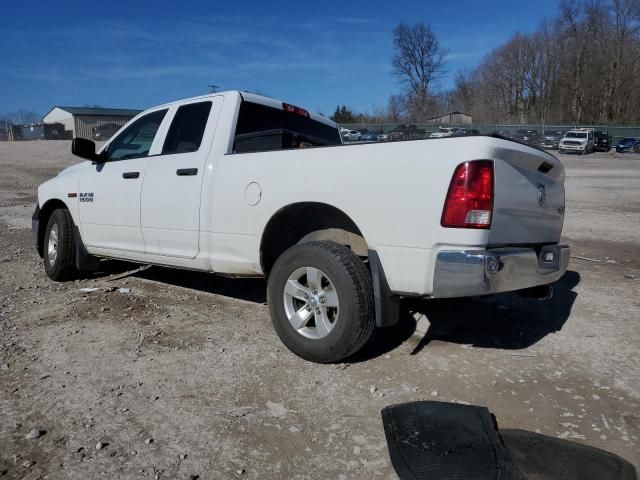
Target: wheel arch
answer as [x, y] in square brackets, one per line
[308, 221]
[43, 218]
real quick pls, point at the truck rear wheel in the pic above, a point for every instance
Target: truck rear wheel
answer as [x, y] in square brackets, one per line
[321, 301]
[59, 246]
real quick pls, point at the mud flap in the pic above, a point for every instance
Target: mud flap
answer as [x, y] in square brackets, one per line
[540, 456]
[84, 260]
[387, 308]
[438, 440]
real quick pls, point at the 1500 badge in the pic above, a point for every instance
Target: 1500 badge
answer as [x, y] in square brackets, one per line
[86, 196]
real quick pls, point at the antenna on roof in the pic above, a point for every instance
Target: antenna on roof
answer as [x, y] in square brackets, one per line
[213, 88]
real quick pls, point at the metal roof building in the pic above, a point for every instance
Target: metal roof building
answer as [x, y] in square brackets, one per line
[452, 118]
[81, 121]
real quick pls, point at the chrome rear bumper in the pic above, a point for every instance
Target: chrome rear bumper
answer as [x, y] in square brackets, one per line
[466, 273]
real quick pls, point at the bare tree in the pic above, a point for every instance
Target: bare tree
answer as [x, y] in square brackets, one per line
[463, 96]
[418, 61]
[25, 117]
[582, 66]
[624, 26]
[395, 108]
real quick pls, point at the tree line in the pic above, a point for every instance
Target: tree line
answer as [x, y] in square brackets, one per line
[581, 66]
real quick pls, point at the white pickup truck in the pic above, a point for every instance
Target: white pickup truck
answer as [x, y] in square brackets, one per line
[444, 132]
[580, 141]
[243, 185]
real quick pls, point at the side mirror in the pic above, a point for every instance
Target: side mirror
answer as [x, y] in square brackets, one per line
[83, 148]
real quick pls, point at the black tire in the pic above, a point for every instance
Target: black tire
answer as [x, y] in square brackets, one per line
[352, 281]
[63, 267]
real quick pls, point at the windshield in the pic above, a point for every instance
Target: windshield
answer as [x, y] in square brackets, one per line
[576, 135]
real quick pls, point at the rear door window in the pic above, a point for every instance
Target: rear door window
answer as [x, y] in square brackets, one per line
[187, 128]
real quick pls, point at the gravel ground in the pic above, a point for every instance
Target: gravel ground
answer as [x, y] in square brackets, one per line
[180, 375]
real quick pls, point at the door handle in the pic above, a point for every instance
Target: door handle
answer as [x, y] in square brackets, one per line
[131, 175]
[185, 172]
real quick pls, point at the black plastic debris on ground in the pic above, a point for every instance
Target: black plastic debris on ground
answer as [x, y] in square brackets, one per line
[448, 441]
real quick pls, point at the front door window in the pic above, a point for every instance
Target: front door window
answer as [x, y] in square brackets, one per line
[135, 141]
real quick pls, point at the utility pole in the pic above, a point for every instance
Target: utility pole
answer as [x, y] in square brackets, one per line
[214, 88]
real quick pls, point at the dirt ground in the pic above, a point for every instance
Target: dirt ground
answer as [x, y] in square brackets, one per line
[181, 375]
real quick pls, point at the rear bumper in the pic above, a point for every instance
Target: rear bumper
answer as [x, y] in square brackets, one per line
[468, 273]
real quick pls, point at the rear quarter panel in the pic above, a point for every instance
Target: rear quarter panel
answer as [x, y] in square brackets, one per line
[393, 192]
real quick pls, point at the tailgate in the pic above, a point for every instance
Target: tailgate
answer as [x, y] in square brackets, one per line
[529, 197]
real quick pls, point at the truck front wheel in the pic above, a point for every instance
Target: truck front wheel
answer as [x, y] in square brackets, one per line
[321, 301]
[58, 246]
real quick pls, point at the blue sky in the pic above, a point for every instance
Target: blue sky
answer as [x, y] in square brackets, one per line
[315, 54]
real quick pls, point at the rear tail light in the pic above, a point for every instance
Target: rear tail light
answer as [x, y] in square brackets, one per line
[469, 202]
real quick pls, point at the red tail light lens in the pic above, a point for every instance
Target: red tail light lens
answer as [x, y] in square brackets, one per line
[295, 110]
[469, 202]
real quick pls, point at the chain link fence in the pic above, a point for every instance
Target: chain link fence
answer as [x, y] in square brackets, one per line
[617, 132]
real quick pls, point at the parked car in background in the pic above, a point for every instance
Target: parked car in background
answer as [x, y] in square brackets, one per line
[106, 131]
[351, 135]
[528, 136]
[406, 132]
[502, 133]
[445, 132]
[628, 144]
[579, 141]
[42, 131]
[551, 139]
[370, 136]
[465, 132]
[602, 141]
[384, 137]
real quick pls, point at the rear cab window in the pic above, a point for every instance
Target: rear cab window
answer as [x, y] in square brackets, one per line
[264, 128]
